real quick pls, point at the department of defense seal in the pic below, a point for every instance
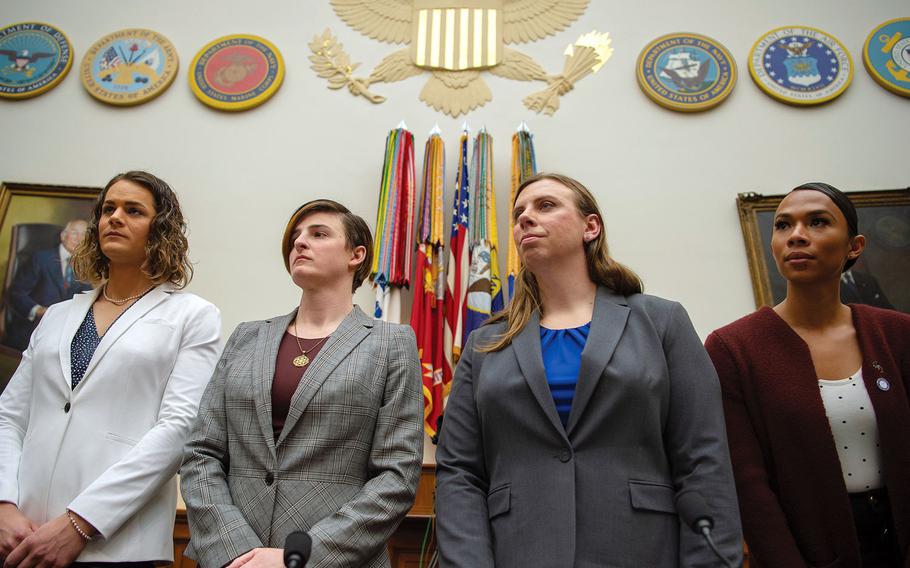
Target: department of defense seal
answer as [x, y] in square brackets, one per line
[236, 72]
[800, 65]
[34, 58]
[686, 72]
[886, 55]
[129, 67]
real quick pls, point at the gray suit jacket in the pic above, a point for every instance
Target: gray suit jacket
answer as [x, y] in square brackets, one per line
[346, 465]
[515, 488]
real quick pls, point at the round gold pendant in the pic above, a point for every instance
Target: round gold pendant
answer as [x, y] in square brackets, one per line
[301, 360]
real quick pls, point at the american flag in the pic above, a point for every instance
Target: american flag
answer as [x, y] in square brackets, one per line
[109, 59]
[457, 271]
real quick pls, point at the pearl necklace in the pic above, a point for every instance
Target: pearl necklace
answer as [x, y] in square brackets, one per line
[124, 300]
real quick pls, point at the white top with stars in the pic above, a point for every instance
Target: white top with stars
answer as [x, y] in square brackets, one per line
[855, 430]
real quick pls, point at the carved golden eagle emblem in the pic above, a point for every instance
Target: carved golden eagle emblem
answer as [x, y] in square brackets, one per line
[456, 41]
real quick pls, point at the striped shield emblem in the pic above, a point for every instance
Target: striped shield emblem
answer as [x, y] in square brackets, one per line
[466, 36]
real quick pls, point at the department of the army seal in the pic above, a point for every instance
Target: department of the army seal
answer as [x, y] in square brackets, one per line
[886, 55]
[800, 65]
[129, 67]
[34, 58]
[236, 72]
[686, 72]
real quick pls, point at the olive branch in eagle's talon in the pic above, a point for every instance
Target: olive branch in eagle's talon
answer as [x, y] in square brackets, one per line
[331, 63]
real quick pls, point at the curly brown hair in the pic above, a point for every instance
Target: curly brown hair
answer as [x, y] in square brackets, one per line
[166, 248]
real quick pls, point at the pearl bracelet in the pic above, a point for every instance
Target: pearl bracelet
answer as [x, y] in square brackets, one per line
[85, 536]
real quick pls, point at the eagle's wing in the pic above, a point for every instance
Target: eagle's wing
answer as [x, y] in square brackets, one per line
[385, 20]
[396, 66]
[518, 66]
[531, 20]
[9, 53]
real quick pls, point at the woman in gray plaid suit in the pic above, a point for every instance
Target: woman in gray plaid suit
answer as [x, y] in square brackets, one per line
[312, 420]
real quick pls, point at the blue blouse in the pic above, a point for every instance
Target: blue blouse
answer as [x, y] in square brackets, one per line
[561, 349]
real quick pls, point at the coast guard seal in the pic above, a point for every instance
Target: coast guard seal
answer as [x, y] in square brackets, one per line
[886, 55]
[800, 65]
[686, 72]
[129, 67]
[34, 58]
[236, 72]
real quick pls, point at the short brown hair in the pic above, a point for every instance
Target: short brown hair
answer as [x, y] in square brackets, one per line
[166, 249]
[356, 234]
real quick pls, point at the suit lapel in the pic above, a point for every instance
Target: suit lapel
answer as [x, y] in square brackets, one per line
[123, 323]
[264, 366]
[55, 271]
[530, 359]
[78, 309]
[611, 312]
[350, 332]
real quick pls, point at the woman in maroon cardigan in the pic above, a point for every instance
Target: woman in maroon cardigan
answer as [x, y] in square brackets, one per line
[816, 401]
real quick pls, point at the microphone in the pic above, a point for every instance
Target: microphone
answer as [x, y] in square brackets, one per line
[297, 549]
[694, 512]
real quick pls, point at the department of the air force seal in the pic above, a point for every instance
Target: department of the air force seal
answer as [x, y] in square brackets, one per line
[800, 65]
[686, 72]
[236, 72]
[129, 67]
[886, 54]
[34, 58]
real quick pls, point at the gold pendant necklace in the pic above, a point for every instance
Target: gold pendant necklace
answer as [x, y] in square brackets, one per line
[302, 360]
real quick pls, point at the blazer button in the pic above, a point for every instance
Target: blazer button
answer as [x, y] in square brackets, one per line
[565, 457]
[269, 478]
[66, 407]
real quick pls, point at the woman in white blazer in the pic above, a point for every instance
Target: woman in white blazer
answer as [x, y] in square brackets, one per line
[93, 422]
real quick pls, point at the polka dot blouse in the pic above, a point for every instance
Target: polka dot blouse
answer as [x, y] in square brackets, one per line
[855, 431]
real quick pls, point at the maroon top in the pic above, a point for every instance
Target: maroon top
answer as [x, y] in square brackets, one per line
[794, 504]
[287, 376]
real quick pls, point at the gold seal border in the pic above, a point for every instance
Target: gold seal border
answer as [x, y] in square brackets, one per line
[686, 107]
[800, 102]
[880, 79]
[242, 105]
[57, 80]
[88, 79]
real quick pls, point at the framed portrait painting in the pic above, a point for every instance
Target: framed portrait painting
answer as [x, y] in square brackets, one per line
[40, 227]
[879, 277]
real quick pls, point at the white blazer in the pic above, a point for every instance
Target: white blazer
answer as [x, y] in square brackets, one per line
[108, 449]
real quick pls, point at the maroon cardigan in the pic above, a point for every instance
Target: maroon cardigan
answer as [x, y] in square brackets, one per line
[794, 504]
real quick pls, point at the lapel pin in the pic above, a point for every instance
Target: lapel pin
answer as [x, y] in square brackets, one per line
[882, 384]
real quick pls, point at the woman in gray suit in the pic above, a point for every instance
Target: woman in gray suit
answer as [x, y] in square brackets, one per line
[312, 420]
[581, 413]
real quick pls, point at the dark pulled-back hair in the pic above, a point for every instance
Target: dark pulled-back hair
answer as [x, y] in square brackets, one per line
[356, 234]
[167, 247]
[842, 202]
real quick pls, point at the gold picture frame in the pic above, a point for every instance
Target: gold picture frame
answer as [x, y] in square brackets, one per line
[32, 219]
[884, 218]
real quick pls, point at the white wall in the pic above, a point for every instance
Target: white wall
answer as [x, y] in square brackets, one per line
[666, 181]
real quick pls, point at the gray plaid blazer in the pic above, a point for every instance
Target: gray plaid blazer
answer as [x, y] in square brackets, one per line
[346, 466]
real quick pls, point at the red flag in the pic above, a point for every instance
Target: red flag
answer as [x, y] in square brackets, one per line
[426, 315]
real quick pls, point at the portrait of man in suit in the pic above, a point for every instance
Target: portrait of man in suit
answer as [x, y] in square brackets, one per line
[859, 286]
[44, 279]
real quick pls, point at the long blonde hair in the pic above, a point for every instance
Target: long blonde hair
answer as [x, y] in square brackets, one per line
[602, 269]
